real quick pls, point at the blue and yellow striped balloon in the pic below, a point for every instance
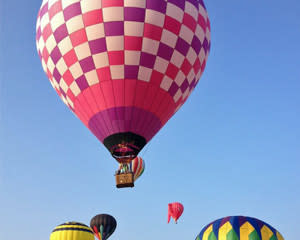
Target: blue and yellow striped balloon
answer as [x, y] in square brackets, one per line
[239, 228]
[72, 231]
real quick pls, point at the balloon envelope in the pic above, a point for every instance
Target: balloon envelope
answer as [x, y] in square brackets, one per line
[123, 67]
[239, 228]
[175, 210]
[137, 166]
[103, 226]
[72, 231]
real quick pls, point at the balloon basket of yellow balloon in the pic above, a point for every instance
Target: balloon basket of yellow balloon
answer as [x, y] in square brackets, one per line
[124, 180]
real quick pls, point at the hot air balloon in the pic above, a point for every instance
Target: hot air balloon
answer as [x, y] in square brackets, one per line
[124, 67]
[128, 173]
[137, 166]
[239, 228]
[103, 226]
[175, 210]
[72, 231]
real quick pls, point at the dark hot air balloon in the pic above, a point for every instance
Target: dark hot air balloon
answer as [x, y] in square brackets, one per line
[103, 226]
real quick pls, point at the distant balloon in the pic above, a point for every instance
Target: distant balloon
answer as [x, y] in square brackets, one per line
[123, 68]
[239, 228]
[72, 231]
[137, 166]
[103, 226]
[175, 210]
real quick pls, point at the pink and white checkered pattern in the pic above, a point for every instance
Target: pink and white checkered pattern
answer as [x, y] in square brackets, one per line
[105, 54]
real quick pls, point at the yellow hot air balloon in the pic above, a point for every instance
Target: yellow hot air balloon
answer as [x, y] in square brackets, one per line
[72, 231]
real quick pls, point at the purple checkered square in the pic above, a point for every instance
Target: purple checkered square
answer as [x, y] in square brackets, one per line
[82, 82]
[72, 11]
[60, 33]
[87, 64]
[178, 3]
[157, 5]
[164, 51]
[55, 55]
[98, 45]
[173, 89]
[56, 75]
[114, 28]
[134, 14]
[147, 60]
[131, 71]
[182, 46]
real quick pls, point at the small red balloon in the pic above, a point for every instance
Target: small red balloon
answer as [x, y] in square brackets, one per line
[175, 210]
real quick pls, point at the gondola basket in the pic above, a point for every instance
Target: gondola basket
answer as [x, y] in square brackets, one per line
[124, 180]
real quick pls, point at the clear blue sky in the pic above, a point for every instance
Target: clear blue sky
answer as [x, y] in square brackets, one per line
[233, 148]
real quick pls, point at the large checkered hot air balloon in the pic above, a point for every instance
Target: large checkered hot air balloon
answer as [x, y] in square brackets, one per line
[239, 228]
[124, 67]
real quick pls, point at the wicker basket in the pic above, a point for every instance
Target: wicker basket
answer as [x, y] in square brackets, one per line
[124, 180]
